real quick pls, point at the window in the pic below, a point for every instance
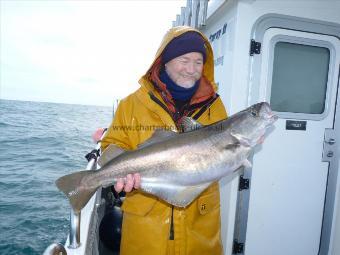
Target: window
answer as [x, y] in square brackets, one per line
[299, 78]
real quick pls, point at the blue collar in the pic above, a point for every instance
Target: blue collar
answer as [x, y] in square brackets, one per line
[178, 92]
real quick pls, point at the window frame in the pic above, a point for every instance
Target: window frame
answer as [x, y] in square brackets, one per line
[278, 38]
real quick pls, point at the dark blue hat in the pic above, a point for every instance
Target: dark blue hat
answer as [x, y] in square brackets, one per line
[185, 43]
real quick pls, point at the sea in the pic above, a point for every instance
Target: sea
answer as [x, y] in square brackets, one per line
[40, 142]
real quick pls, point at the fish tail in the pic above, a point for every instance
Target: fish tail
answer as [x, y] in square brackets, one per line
[77, 193]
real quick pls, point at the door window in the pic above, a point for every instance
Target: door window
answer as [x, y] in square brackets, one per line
[299, 78]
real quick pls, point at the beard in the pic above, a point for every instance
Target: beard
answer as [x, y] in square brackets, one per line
[186, 81]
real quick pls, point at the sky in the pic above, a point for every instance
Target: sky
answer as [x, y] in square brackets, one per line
[80, 52]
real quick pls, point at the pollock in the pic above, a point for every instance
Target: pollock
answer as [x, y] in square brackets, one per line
[177, 167]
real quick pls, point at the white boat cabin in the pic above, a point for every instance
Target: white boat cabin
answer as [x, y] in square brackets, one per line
[288, 54]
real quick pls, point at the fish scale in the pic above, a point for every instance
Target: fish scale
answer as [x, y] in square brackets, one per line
[177, 167]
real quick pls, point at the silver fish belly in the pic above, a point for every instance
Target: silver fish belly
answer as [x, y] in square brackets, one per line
[177, 167]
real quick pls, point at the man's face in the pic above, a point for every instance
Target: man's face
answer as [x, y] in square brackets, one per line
[186, 69]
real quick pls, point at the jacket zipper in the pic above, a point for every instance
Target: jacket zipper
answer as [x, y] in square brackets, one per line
[172, 233]
[195, 117]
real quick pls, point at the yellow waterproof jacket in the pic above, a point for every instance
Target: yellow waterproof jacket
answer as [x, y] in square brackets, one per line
[147, 219]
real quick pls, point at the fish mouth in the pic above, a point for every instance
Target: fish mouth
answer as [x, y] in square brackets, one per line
[270, 120]
[261, 139]
[270, 116]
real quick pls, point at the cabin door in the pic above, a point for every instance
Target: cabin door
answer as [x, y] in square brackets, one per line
[290, 192]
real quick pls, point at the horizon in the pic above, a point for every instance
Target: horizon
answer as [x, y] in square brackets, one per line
[79, 52]
[114, 104]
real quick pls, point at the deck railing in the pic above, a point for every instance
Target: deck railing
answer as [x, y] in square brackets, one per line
[194, 14]
[75, 217]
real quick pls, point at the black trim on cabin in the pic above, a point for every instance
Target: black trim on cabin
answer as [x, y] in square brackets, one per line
[255, 47]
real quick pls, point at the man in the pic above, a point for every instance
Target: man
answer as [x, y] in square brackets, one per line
[180, 82]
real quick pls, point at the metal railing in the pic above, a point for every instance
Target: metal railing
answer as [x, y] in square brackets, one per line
[75, 217]
[74, 230]
[194, 14]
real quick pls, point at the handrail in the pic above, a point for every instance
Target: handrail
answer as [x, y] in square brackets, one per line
[194, 14]
[202, 16]
[75, 217]
[74, 230]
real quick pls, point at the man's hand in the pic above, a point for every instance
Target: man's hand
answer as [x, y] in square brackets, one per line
[128, 183]
[131, 181]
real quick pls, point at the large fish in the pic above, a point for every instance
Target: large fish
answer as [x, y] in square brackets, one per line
[177, 167]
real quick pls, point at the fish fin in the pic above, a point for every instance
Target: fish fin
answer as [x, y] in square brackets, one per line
[173, 193]
[158, 136]
[189, 124]
[111, 152]
[72, 187]
[185, 196]
[232, 146]
[247, 164]
[241, 139]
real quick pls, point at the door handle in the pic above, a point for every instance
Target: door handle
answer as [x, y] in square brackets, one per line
[329, 149]
[330, 154]
[331, 141]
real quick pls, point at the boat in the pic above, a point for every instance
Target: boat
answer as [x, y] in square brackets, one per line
[288, 54]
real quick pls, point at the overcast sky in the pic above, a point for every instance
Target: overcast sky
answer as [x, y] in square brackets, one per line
[83, 51]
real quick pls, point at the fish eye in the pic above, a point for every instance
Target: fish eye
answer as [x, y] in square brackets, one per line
[253, 112]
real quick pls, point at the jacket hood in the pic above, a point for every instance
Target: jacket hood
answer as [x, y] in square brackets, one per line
[208, 69]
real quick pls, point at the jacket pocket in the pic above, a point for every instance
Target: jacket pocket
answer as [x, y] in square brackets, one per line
[208, 202]
[138, 204]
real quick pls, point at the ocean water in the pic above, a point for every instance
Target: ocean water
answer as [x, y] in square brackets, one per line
[40, 142]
